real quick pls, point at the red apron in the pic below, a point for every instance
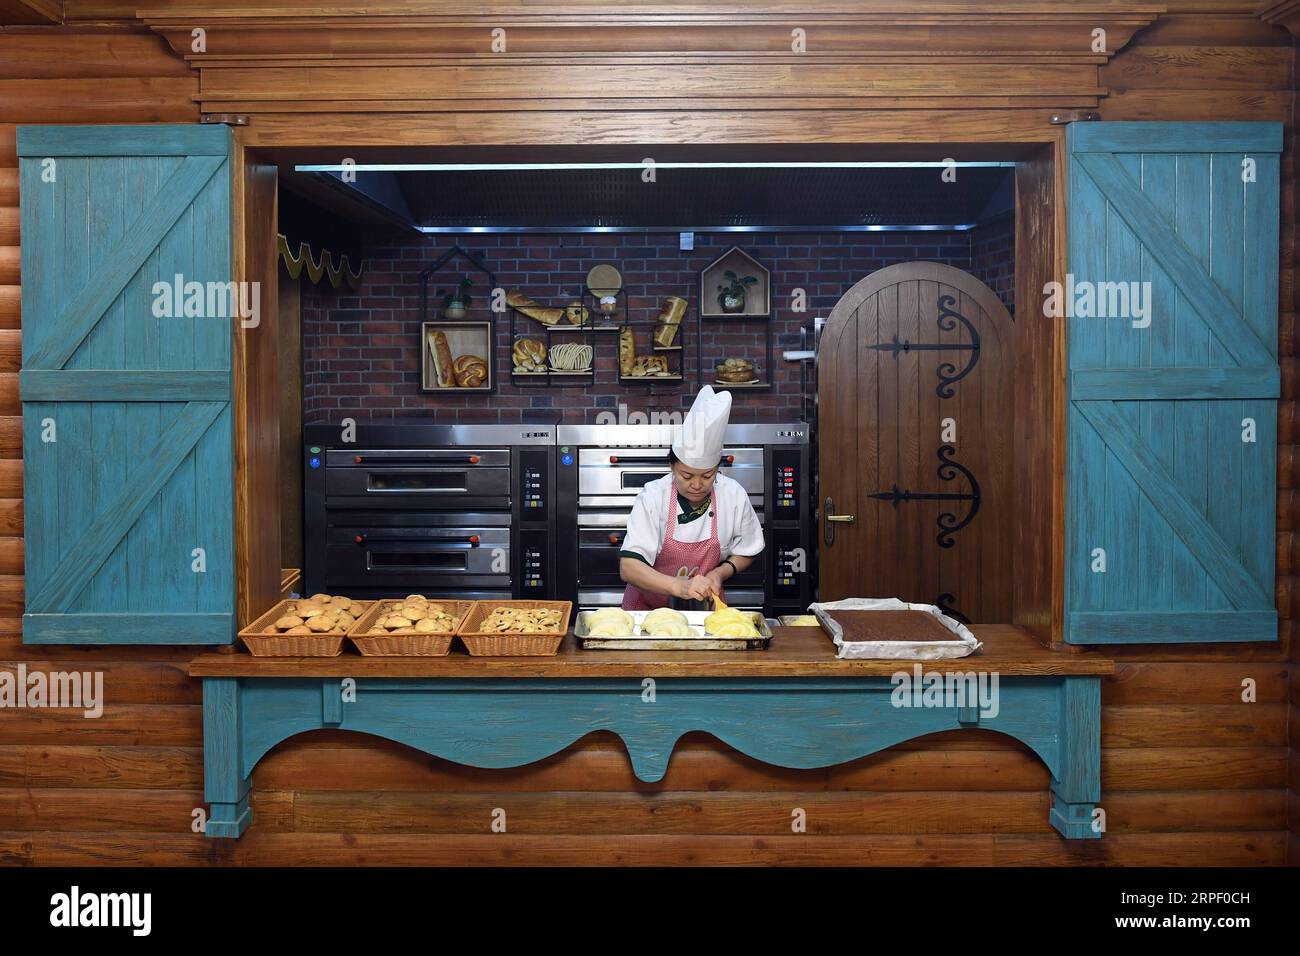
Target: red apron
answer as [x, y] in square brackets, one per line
[678, 558]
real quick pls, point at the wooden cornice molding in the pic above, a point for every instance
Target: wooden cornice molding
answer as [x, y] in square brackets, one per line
[442, 33]
[1283, 13]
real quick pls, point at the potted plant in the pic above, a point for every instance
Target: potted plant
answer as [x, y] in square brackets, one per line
[732, 295]
[455, 303]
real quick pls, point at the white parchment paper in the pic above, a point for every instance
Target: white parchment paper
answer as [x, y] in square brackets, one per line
[962, 644]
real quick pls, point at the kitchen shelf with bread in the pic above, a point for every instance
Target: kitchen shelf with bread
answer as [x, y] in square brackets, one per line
[547, 353]
[651, 353]
[455, 350]
[456, 357]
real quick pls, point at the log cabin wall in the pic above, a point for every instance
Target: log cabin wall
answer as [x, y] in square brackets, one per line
[1189, 774]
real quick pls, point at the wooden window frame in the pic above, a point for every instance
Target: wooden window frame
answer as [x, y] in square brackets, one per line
[1039, 565]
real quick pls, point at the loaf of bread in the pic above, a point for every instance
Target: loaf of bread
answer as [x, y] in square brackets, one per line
[670, 317]
[534, 310]
[891, 626]
[626, 351]
[440, 351]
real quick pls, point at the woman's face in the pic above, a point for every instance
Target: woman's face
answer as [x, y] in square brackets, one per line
[694, 483]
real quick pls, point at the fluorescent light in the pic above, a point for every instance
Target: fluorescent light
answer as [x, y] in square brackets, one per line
[549, 230]
[515, 167]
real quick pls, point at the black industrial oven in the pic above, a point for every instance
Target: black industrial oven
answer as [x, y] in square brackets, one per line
[452, 511]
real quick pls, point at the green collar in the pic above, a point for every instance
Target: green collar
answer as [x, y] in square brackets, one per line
[689, 511]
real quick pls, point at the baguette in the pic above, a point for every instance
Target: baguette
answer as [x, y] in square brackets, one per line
[534, 310]
[442, 364]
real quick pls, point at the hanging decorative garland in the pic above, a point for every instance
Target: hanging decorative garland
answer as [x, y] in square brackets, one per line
[315, 270]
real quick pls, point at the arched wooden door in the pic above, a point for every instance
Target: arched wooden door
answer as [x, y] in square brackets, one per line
[915, 442]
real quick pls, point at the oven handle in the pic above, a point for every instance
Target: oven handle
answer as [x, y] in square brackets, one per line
[645, 460]
[472, 540]
[418, 459]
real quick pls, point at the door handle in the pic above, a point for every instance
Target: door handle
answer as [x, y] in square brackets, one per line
[831, 519]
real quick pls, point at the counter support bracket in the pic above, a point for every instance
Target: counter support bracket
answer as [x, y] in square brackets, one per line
[794, 722]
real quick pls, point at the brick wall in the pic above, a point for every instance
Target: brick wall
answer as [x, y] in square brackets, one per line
[361, 348]
[992, 258]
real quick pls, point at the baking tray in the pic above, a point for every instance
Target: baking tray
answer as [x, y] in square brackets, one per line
[701, 642]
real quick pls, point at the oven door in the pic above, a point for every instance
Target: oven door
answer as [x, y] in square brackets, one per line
[612, 477]
[452, 478]
[437, 560]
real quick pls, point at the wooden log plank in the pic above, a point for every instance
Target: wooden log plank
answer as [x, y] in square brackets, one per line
[11, 481]
[696, 813]
[127, 682]
[125, 767]
[11, 353]
[158, 725]
[1182, 683]
[1203, 725]
[80, 848]
[124, 100]
[125, 810]
[11, 309]
[838, 812]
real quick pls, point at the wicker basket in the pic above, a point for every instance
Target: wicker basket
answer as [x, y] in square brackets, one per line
[494, 644]
[291, 645]
[433, 644]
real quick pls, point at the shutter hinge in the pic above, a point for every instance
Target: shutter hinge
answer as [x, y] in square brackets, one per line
[1074, 116]
[229, 119]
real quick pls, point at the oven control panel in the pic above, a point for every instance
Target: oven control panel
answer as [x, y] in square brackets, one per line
[789, 566]
[786, 489]
[532, 564]
[534, 479]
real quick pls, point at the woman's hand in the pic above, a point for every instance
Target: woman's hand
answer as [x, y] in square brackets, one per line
[699, 588]
[717, 576]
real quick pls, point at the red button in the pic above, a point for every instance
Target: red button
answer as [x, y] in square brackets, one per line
[613, 539]
[613, 459]
[473, 539]
[357, 459]
[360, 538]
[473, 459]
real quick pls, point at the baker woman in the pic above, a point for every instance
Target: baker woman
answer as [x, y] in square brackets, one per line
[692, 529]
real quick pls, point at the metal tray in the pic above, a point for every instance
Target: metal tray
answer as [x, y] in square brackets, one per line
[700, 642]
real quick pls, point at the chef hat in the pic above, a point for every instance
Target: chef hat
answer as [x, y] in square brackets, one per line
[699, 443]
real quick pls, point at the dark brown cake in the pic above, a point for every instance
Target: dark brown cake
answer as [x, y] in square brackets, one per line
[891, 626]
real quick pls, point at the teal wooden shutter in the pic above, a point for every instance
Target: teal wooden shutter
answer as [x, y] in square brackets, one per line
[1162, 483]
[127, 453]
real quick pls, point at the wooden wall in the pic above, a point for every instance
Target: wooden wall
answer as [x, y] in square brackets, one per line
[1190, 774]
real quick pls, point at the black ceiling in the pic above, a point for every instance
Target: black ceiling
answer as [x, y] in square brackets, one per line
[691, 198]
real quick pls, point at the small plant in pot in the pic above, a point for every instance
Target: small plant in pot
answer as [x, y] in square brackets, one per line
[732, 295]
[456, 302]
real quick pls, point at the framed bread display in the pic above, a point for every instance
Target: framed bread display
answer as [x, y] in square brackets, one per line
[456, 356]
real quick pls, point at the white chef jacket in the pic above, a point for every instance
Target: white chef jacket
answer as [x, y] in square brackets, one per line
[739, 531]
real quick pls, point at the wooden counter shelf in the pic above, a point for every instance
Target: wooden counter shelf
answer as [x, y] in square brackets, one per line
[795, 652]
[793, 705]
